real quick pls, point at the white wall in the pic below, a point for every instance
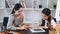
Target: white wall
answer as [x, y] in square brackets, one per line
[2, 3]
[29, 14]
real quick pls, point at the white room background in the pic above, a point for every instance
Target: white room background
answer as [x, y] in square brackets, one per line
[31, 13]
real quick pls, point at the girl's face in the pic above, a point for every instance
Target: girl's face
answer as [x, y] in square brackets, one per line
[44, 17]
[19, 12]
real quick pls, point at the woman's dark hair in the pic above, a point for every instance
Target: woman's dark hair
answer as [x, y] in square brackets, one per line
[46, 11]
[16, 7]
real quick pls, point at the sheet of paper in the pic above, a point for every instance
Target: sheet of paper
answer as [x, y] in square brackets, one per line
[37, 30]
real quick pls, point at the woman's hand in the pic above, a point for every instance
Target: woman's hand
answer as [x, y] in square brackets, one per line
[25, 26]
[21, 27]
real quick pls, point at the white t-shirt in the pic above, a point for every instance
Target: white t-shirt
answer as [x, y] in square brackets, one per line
[46, 23]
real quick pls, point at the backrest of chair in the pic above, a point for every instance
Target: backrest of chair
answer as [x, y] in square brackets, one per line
[55, 19]
[5, 20]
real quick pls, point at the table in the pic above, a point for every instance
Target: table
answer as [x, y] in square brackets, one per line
[24, 32]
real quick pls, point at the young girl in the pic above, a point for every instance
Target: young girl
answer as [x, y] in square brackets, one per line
[48, 22]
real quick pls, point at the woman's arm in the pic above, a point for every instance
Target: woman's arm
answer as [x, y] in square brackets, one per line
[10, 23]
[11, 26]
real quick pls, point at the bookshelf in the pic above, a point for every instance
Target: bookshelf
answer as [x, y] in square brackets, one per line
[32, 8]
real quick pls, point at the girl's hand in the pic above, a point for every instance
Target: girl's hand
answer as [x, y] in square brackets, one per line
[44, 27]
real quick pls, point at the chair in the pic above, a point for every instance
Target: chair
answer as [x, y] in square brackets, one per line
[4, 24]
[5, 20]
[55, 19]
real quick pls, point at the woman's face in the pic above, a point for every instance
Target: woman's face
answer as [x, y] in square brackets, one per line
[19, 12]
[44, 17]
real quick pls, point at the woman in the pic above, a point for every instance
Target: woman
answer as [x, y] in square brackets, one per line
[16, 18]
[48, 22]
